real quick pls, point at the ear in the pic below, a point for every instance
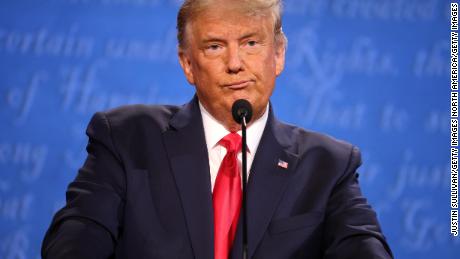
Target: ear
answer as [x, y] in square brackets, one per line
[185, 63]
[280, 51]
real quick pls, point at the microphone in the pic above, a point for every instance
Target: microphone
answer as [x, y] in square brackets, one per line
[242, 109]
[242, 114]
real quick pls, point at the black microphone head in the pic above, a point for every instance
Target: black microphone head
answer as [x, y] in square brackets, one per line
[241, 108]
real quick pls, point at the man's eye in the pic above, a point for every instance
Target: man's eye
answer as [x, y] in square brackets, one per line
[213, 47]
[252, 43]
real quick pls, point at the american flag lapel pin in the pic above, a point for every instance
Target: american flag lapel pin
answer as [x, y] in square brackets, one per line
[282, 164]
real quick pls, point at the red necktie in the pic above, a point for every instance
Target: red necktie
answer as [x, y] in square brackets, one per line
[226, 197]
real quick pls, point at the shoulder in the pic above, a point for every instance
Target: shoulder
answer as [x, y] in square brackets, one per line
[301, 142]
[132, 117]
[131, 124]
[131, 130]
[332, 158]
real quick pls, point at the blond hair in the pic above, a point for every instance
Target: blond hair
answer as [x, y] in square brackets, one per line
[191, 8]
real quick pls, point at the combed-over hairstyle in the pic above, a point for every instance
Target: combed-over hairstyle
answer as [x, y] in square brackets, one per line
[191, 8]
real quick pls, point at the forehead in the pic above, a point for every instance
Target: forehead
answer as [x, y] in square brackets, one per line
[229, 20]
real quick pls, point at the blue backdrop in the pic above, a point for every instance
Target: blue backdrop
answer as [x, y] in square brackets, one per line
[371, 72]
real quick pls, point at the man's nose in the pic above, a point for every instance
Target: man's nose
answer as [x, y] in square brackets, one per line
[234, 60]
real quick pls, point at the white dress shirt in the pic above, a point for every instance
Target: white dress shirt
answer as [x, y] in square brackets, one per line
[214, 132]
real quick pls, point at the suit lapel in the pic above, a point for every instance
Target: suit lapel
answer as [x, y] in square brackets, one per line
[266, 185]
[186, 147]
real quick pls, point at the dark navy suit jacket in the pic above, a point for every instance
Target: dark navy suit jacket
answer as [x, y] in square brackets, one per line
[144, 191]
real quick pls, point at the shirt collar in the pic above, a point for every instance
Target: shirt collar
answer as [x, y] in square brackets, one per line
[215, 131]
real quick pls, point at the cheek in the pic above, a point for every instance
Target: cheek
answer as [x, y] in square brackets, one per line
[207, 72]
[268, 61]
[267, 68]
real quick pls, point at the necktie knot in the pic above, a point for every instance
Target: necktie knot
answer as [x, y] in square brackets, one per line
[232, 142]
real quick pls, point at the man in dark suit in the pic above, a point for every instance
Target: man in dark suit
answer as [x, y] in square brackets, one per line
[148, 186]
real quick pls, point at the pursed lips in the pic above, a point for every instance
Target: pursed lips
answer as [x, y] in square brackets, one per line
[238, 85]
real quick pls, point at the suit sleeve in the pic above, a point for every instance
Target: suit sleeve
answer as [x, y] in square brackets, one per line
[352, 229]
[88, 225]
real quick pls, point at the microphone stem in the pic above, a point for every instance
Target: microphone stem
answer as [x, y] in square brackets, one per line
[244, 169]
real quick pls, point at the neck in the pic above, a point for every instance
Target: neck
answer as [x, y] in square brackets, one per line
[229, 123]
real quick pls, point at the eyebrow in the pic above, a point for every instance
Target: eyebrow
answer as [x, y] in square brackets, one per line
[211, 38]
[248, 35]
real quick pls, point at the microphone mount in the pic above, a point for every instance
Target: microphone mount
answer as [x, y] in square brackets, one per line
[242, 114]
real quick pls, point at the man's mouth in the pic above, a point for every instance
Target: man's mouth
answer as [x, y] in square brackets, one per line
[238, 84]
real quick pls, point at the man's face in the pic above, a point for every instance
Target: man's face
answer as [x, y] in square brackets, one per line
[230, 56]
